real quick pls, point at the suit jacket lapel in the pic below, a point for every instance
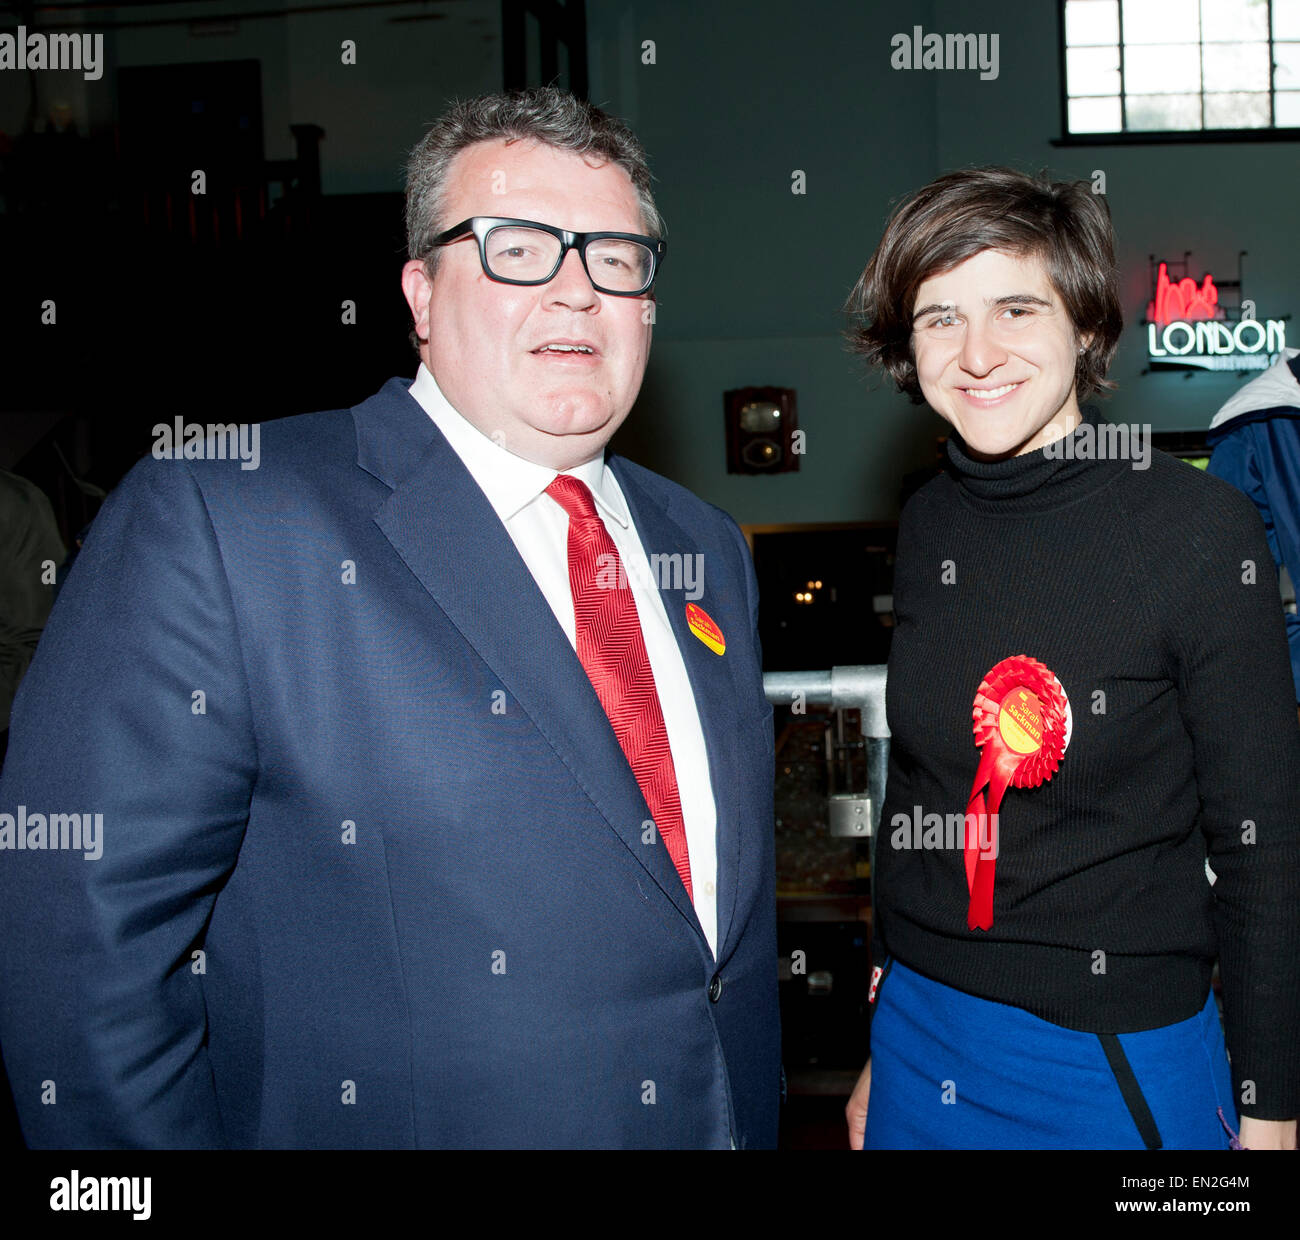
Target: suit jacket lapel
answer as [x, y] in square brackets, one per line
[712, 685]
[441, 524]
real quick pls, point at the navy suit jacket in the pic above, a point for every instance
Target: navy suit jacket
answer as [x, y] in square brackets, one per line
[374, 870]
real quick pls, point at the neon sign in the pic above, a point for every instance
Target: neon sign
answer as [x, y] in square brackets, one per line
[1182, 301]
[1187, 327]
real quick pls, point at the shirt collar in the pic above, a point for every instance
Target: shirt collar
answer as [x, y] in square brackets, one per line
[510, 482]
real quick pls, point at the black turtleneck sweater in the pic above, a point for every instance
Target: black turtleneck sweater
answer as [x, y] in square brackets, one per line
[1135, 588]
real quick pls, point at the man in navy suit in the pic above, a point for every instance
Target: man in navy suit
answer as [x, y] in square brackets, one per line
[413, 788]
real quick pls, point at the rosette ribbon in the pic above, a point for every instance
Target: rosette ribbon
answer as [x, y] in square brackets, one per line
[1022, 727]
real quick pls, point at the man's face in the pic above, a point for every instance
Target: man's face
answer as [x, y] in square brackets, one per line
[485, 342]
[995, 353]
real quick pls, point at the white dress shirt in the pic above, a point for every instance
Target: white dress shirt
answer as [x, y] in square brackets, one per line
[539, 527]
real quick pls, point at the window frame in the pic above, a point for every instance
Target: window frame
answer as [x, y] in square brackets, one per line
[1148, 137]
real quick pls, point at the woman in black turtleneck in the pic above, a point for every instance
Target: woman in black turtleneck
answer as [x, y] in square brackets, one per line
[1094, 783]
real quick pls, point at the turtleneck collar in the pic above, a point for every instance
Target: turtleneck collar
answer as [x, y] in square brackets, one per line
[1033, 482]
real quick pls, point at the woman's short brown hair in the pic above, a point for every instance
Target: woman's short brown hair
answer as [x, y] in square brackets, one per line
[961, 214]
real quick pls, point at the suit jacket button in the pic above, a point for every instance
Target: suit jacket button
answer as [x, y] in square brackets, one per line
[715, 988]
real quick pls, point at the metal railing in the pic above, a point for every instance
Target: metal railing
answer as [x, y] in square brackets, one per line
[859, 687]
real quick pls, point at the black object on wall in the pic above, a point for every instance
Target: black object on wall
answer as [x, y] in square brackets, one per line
[536, 35]
[762, 423]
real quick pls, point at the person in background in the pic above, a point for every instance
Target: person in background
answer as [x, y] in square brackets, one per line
[31, 549]
[1255, 439]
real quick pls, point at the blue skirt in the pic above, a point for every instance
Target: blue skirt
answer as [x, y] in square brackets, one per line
[950, 1071]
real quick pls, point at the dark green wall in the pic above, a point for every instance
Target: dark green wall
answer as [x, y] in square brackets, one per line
[742, 94]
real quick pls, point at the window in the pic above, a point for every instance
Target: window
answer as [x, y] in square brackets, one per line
[1181, 68]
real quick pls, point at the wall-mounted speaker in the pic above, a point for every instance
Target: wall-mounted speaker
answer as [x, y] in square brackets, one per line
[761, 426]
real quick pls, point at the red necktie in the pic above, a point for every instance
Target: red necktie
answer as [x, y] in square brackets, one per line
[612, 650]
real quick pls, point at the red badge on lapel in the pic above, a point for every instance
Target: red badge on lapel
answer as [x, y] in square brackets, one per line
[701, 624]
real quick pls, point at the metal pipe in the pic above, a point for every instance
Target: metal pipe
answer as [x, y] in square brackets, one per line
[852, 687]
[855, 686]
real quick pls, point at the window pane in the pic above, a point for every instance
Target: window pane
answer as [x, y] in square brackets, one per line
[1162, 21]
[1164, 112]
[1286, 19]
[1090, 22]
[1286, 58]
[1239, 111]
[1234, 21]
[1092, 70]
[1161, 70]
[1095, 116]
[1172, 51]
[1286, 108]
[1236, 66]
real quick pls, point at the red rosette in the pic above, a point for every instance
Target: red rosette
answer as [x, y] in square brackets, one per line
[1022, 726]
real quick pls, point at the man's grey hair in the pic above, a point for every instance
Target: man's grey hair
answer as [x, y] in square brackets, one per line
[547, 115]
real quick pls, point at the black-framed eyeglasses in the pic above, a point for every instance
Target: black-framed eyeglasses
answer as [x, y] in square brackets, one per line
[526, 252]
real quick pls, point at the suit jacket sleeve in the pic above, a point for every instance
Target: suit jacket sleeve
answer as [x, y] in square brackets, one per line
[136, 708]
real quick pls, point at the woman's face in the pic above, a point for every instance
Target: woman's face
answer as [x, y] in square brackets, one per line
[995, 353]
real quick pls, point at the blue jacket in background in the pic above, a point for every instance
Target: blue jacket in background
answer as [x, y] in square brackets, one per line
[1256, 443]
